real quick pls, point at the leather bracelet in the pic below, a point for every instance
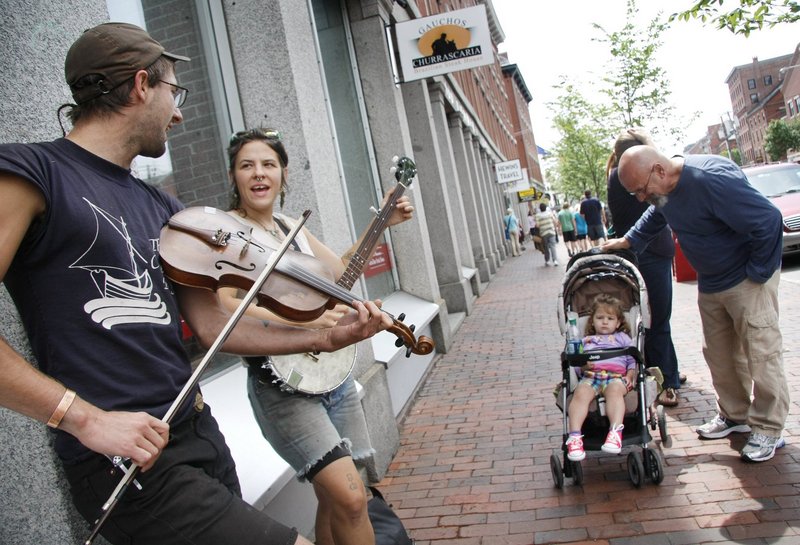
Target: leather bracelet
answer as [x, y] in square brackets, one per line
[61, 410]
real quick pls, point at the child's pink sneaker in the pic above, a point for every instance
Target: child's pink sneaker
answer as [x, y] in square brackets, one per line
[575, 452]
[613, 442]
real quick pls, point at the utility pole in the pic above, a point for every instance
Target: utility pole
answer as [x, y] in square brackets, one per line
[735, 133]
[725, 133]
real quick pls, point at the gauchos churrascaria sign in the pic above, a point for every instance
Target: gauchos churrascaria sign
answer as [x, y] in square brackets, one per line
[447, 42]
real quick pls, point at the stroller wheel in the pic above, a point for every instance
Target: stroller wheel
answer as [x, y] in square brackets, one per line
[655, 467]
[662, 427]
[555, 469]
[636, 469]
[577, 473]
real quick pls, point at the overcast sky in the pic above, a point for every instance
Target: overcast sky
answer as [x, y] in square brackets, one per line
[549, 38]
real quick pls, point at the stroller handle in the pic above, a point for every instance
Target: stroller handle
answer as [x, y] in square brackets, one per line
[579, 360]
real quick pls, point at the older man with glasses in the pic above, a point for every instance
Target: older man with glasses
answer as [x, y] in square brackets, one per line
[732, 236]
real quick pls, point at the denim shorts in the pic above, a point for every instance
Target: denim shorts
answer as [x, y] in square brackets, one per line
[190, 495]
[304, 429]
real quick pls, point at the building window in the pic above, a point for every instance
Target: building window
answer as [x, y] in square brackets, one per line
[754, 98]
[767, 80]
[797, 104]
[194, 178]
[751, 84]
[343, 87]
[790, 104]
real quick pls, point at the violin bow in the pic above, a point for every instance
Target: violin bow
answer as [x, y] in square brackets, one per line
[133, 470]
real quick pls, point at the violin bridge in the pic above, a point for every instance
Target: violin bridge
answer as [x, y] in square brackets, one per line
[246, 244]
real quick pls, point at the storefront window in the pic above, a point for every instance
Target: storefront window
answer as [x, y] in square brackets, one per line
[352, 135]
[194, 178]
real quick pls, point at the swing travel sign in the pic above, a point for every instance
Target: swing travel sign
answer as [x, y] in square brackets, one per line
[442, 43]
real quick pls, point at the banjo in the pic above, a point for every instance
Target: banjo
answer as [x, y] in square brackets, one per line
[319, 373]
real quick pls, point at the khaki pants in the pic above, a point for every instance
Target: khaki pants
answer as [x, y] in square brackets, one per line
[743, 348]
[513, 239]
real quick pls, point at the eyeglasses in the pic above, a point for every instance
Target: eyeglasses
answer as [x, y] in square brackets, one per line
[178, 93]
[643, 190]
[259, 132]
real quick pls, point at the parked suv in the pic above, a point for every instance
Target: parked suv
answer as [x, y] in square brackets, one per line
[780, 182]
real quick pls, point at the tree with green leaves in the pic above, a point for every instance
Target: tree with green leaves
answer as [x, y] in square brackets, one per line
[781, 136]
[734, 155]
[748, 16]
[637, 88]
[583, 147]
[635, 92]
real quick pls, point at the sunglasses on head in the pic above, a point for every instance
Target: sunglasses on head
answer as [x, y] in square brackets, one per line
[271, 134]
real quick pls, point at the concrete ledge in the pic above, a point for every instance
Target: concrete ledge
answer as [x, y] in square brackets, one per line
[262, 472]
[404, 374]
[471, 275]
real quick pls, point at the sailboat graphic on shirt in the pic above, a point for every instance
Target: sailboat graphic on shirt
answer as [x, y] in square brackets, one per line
[125, 291]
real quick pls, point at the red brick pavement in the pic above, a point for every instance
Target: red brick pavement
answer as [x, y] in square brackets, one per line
[473, 464]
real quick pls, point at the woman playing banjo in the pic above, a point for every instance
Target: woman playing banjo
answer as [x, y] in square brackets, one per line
[322, 437]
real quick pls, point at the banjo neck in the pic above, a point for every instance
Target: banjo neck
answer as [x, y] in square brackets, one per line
[404, 171]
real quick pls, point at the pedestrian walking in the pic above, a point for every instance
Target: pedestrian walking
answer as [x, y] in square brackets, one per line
[569, 229]
[592, 212]
[546, 223]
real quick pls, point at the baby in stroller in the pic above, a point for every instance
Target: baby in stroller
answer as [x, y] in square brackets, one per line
[607, 387]
[612, 378]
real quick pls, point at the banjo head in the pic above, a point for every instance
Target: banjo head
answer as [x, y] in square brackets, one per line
[313, 374]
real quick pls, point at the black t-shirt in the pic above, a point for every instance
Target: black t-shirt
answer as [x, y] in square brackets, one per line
[87, 281]
[592, 210]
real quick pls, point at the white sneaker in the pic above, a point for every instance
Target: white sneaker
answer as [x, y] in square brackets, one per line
[760, 447]
[555, 263]
[546, 263]
[720, 427]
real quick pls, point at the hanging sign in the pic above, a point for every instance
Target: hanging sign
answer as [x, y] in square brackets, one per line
[509, 171]
[447, 42]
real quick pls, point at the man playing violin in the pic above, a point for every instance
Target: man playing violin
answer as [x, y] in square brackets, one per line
[78, 254]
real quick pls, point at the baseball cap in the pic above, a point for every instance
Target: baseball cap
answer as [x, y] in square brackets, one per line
[115, 51]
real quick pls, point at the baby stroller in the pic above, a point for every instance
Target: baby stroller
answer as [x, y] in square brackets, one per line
[589, 274]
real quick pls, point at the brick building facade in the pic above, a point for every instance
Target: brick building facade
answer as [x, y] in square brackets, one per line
[756, 99]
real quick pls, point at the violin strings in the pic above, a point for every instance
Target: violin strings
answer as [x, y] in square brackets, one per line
[325, 286]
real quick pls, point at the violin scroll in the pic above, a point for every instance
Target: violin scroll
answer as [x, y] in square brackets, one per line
[421, 345]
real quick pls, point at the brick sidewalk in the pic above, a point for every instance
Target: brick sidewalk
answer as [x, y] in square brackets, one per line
[473, 464]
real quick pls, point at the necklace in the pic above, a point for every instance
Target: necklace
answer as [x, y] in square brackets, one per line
[273, 232]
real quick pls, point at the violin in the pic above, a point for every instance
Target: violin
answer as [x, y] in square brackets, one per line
[206, 248]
